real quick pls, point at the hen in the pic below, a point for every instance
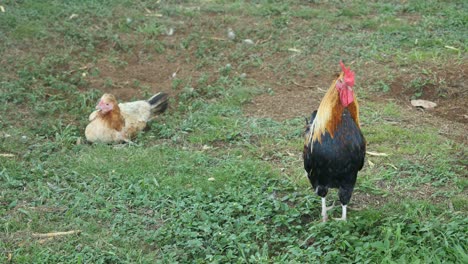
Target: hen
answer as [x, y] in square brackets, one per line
[113, 122]
[334, 147]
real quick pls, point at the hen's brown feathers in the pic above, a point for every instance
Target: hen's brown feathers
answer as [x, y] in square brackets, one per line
[113, 119]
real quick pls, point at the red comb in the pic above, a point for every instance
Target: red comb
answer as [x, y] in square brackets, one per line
[348, 75]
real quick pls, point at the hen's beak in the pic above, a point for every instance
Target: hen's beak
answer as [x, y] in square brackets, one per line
[99, 106]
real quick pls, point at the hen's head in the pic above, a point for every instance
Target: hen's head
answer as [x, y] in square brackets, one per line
[106, 104]
[345, 85]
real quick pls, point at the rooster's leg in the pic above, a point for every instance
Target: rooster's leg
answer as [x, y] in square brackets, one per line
[343, 214]
[325, 209]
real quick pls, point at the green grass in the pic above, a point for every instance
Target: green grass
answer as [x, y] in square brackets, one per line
[209, 183]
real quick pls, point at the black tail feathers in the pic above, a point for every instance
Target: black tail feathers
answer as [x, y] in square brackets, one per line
[159, 103]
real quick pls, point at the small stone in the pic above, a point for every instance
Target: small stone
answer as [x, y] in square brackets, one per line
[170, 32]
[248, 42]
[231, 35]
[423, 104]
[206, 147]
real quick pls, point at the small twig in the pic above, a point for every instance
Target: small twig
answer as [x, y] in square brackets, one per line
[391, 165]
[450, 205]
[377, 154]
[216, 38]
[82, 68]
[321, 90]
[263, 41]
[154, 15]
[294, 50]
[174, 74]
[42, 241]
[305, 86]
[54, 234]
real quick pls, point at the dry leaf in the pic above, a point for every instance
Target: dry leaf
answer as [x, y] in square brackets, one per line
[7, 155]
[423, 104]
[371, 164]
[2, 9]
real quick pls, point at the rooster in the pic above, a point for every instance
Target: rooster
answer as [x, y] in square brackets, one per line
[334, 147]
[113, 122]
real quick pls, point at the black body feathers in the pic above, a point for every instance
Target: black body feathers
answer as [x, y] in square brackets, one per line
[335, 162]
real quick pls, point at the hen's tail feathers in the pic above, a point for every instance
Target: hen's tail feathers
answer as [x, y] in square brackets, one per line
[158, 103]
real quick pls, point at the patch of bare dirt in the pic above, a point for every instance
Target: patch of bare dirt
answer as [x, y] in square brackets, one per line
[362, 200]
[126, 81]
[283, 104]
[294, 98]
[446, 86]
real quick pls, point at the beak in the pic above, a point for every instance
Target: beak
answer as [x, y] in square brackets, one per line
[98, 106]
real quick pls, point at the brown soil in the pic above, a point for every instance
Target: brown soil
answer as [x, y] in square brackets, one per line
[156, 73]
[301, 98]
[447, 87]
[288, 97]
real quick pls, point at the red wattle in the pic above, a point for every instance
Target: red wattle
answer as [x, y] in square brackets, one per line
[346, 96]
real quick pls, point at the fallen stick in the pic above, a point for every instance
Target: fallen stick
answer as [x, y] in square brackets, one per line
[54, 234]
[216, 38]
[42, 241]
[377, 154]
[305, 86]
